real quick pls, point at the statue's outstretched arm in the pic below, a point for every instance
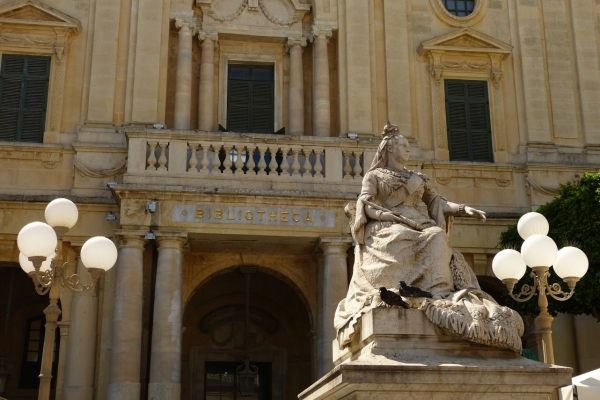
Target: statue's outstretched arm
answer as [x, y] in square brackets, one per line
[462, 210]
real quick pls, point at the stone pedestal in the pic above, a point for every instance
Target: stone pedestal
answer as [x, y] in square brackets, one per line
[400, 354]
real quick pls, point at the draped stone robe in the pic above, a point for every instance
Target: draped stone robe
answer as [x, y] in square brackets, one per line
[388, 252]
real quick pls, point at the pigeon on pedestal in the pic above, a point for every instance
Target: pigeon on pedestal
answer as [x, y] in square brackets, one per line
[412, 291]
[391, 298]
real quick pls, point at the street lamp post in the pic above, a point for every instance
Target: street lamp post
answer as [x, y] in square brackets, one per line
[41, 258]
[540, 253]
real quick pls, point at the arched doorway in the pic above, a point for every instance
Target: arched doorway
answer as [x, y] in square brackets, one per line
[280, 340]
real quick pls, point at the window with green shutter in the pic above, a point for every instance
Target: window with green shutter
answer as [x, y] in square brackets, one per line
[468, 121]
[250, 103]
[23, 96]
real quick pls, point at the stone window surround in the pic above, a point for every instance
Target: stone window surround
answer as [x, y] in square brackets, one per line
[452, 20]
[466, 55]
[42, 38]
[231, 52]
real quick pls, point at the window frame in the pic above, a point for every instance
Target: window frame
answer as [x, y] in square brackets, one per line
[447, 17]
[250, 104]
[24, 78]
[455, 11]
[53, 35]
[468, 55]
[237, 52]
[468, 123]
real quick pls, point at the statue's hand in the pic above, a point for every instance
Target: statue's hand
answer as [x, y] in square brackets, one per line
[473, 212]
[361, 219]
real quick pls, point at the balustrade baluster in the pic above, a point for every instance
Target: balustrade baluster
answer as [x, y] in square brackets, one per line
[262, 164]
[216, 163]
[285, 162]
[347, 166]
[193, 164]
[238, 159]
[296, 162]
[273, 162]
[227, 163]
[204, 163]
[318, 164]
[162, 160]
[357, 168]
[151, 157]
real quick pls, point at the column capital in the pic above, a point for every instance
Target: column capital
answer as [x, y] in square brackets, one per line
[130, 237]
[295, 41]
[170, 239]
[185, 23]
[335, 245]
[320, 31]
[206, 35]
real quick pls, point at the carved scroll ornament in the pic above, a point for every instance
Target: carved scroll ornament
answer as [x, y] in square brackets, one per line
[253, 5]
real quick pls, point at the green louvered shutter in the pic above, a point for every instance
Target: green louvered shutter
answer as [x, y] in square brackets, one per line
[468, 121]
[23, 97]
[250, 99]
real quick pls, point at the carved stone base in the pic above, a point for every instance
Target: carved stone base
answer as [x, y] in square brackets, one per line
[399, 354]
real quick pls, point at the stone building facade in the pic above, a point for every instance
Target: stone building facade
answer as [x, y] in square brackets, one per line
[223, 134]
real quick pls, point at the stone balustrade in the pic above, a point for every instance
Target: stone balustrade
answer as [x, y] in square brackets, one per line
[194, 157]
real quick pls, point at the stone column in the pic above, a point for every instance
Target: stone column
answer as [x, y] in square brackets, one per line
[296, 113]
[334, 289]
[81, 354]
[321, 101]
[124, 378]
[165, 358]
[206, 99]
[183, 87]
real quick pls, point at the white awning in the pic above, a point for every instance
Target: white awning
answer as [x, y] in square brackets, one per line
[585, 387]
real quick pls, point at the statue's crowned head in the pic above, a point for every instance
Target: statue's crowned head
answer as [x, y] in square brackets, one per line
[390, 134]
[390, 130]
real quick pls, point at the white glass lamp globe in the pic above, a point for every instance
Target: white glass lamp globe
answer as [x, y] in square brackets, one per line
[28, 267]
[99, 253]
[37, 239]
[571, 262]
[539, 251]
[532, 223]
[508, 264]
[61, 212]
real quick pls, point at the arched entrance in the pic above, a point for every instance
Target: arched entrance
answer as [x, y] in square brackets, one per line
[280, 340]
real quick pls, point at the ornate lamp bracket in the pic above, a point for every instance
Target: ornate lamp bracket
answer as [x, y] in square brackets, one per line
[43, 280]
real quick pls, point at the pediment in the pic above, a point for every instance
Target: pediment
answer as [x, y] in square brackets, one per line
[465, 40]
[33, 12]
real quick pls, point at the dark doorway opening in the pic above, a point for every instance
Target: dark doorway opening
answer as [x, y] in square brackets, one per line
[222, 381]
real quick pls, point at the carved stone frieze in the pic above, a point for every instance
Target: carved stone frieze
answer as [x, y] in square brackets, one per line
[547, 190]
[279, 13]
[48, 158]
[473, 177]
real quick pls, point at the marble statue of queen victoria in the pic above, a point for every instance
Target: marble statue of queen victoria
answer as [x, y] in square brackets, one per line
[395, 241]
